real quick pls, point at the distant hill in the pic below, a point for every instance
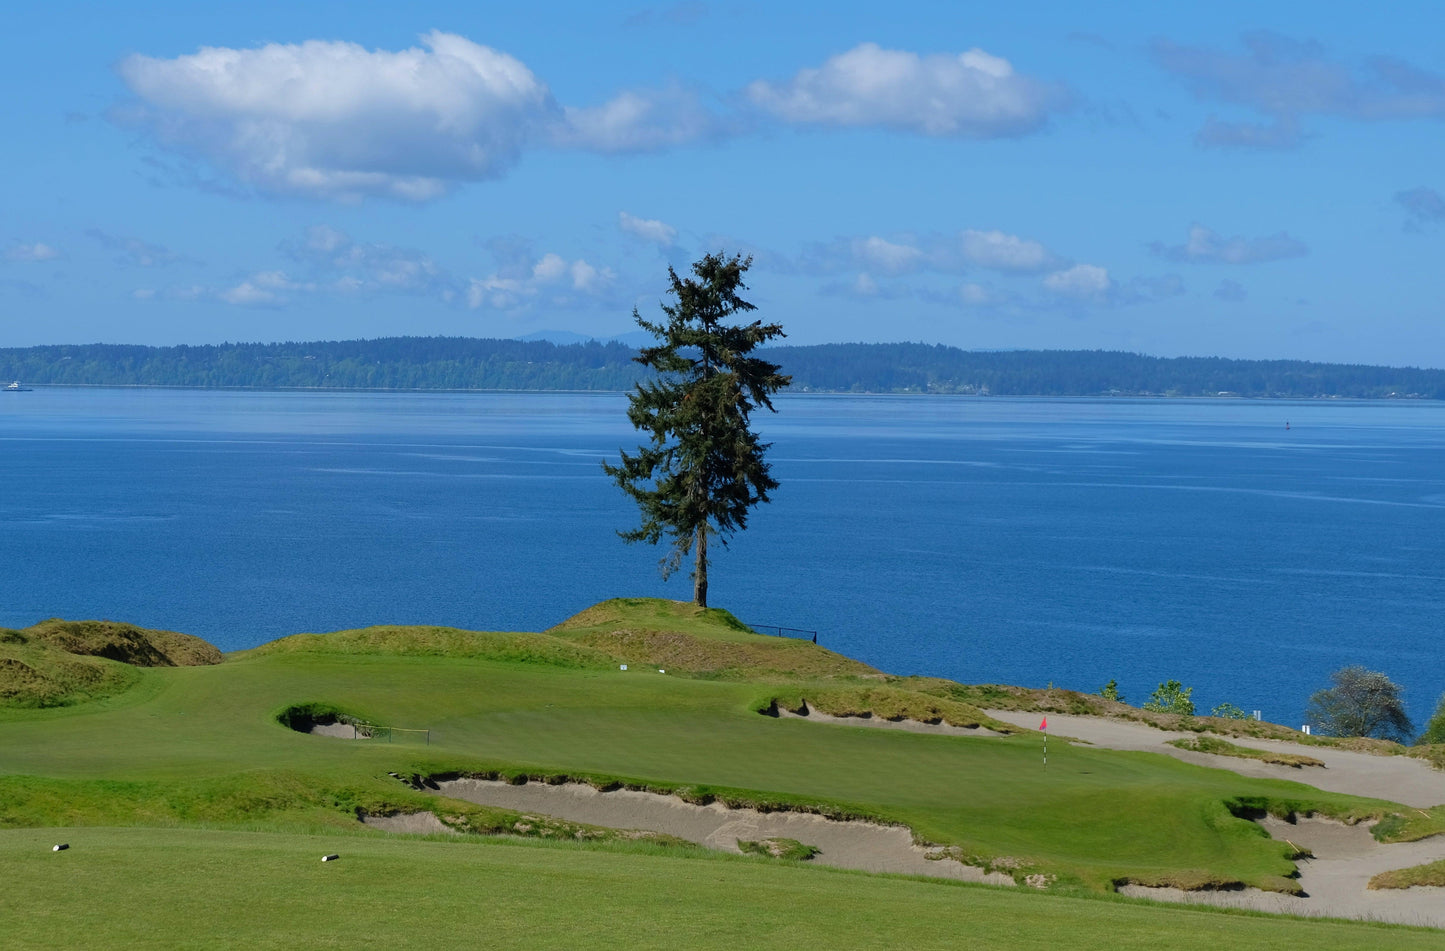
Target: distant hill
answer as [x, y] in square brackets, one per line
[466, 363]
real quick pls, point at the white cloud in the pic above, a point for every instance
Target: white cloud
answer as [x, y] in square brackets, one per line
[646, 120]
[900, 255]
[648, 229]
[247, 294]
[1082, 281]
[329, 119]
[264, 289]
[333, 119]
[550, 279]
[1206, 246]
[1005, 252]
[944, 254]
[34, 251]
[886, 256]
[971, 94]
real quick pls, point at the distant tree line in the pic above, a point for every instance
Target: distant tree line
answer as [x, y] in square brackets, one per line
[920, 368]
[465, 363]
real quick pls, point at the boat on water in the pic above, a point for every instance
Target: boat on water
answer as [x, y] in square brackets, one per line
[17, 388]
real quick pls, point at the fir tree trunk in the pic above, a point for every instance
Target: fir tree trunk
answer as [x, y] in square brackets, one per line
[699, 575]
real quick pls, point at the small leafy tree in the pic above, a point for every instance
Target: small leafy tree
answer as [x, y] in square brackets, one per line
[703, 468]
[1171, 697]
[1110, 691]
[1229, 711]
[1361, 703]
[1435, 729]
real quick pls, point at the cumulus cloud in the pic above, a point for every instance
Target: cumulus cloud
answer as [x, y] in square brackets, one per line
[1005, 252]
[943, 254]
[1206, 246]
[335, 119]
[134, 251]
[639, 120]
[891, 257]
[970, 95]
[648, 229]
[329, 119]
[1283, 79]
[263, 289]
[1081, 282]
[1423, 206]
[523, 280]
[32, 251]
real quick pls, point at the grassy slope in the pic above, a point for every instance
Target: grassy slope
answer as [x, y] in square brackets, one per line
[197, 888]
[60, 663]
[200, 745]
[1094, 814]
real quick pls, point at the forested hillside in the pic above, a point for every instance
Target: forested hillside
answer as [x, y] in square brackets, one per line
[464, 363]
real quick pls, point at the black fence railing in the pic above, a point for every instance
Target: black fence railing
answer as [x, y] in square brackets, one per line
[779, 631]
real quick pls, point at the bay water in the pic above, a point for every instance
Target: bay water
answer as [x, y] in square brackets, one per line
[1245, 548]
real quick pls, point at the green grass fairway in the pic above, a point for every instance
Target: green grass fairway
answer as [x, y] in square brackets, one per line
[201, 747]
[167, 888]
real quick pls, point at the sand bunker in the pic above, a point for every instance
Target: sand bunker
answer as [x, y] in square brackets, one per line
[1334, 880]
[340, 731]
[857, 845]
[1346, 857]
[1401, 779]
[911, 726]
[415, 823]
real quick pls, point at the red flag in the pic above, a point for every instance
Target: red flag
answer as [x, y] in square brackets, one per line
[1045, 724]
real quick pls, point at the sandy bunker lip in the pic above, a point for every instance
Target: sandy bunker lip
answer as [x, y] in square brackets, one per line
[866, 846]
[1335, 879]
[868, 720]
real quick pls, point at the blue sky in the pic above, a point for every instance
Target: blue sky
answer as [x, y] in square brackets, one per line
[1234, 179]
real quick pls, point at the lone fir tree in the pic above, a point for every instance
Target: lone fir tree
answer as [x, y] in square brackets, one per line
[703, 468]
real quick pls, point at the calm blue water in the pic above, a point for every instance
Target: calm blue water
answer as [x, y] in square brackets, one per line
[1020, 541]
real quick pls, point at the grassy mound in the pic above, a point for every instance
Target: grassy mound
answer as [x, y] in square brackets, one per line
[683, 638]
[60, 663]
[1431, 874]
[422, 641]
[125, 643]
[37, 675]
[1213, 744]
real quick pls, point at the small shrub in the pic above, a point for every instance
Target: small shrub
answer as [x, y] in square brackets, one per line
[1171, 697]
[1229, 711]
[1110, 691]
[1435, 729]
